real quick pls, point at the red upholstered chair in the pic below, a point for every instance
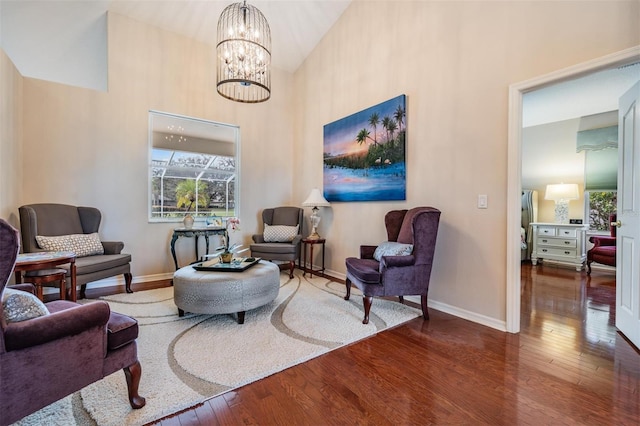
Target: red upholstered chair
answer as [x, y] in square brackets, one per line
[604, 247]
[49, 351]
[397, 275]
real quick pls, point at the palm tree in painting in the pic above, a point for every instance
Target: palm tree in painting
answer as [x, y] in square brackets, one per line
[385, 123]
[392, 127]
[399, 116]
[373, 121]
[362, 136]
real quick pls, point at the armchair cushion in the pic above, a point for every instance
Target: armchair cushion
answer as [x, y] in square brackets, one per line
[81, 244]
[21, 306]
[121, 330]
[280, 233]
[365, 270]
[391, 248]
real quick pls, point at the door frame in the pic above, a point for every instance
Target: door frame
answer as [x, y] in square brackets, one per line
[514, 163]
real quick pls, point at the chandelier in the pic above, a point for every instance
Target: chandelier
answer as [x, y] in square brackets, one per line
[244, 54]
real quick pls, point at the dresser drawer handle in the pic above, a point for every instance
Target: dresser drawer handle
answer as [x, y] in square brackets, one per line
[567, 252]
[545, 241]
[567, 242]
[544, 250]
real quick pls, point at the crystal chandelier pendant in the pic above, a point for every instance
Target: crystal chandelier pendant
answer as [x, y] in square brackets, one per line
[244, 54]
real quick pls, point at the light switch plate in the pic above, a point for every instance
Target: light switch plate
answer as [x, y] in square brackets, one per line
[483, 202]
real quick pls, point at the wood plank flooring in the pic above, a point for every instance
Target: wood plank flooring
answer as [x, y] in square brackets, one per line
[567, 366]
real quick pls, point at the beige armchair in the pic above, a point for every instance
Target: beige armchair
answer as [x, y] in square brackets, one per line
[281, 236]
[56, 220]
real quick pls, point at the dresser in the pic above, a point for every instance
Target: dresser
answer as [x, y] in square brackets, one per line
[560, 242]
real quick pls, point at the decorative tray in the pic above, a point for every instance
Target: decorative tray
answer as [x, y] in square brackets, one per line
[236, 265]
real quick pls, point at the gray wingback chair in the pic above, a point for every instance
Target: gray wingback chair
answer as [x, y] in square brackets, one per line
[397, 275]
[58, 351]
[284, 250]
[61, 219]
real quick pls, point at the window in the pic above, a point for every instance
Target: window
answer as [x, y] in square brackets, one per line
[192, 168]
[601, 205]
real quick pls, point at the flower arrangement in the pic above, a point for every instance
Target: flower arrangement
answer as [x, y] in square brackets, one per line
[226, 251]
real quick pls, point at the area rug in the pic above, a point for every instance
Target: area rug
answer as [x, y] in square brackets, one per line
[186, 360]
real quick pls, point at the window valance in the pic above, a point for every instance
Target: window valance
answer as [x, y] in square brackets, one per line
[597, 139]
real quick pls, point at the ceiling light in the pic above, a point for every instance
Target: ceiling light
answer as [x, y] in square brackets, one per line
[244, 54]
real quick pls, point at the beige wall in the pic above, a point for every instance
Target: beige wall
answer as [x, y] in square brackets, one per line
[10, 139]
[90, 148]
[455, 62]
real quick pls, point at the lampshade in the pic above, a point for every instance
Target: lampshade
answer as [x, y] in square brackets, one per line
[315, 199]
[244, 54]
[562, 191]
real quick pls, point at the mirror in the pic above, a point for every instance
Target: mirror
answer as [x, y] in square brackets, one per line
[192, 169]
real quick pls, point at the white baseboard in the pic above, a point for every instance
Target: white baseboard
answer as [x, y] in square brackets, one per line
[462, 313]
[448, 309]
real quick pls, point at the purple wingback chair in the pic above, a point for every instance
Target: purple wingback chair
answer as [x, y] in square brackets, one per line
[46, 358]
[398, 275]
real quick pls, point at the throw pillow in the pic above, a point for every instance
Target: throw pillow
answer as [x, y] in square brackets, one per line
[20, 305]
[80, 244]
[279, 233]
[391, 248]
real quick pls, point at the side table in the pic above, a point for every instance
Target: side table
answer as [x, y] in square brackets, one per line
[47, 260]
[309, 242]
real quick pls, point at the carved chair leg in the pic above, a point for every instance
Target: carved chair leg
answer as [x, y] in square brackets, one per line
[366, 301]
[292, 264]
[425, 310]
[83, 291]
[347, 283]
[127, 282]
[133, 374]
[588, 267]
[401, 298]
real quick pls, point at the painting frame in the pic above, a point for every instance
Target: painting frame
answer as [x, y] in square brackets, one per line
[364, 154]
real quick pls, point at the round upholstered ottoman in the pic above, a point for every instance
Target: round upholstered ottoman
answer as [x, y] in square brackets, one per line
[220, 292]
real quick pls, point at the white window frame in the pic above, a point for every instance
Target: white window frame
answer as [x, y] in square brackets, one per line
[189, 135]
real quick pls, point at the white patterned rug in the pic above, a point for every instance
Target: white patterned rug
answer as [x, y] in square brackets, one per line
[190, 359]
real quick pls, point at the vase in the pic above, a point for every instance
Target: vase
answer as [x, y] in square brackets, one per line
[188, 221]
[226, 257]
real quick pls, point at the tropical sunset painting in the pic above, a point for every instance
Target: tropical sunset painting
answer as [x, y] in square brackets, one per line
[364, 154]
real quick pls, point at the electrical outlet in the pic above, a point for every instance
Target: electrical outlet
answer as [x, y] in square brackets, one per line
[483, 202]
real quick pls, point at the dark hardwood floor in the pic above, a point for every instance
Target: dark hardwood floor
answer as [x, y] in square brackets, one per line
[568, 365]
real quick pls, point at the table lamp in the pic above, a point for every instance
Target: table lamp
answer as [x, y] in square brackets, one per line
[315, 200]
[562, 193]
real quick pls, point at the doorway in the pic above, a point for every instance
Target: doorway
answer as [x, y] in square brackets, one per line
[514, 172]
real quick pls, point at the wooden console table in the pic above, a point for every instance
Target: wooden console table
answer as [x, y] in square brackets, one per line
[195, 232]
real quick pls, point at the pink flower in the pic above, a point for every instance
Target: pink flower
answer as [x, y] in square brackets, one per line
[233, 223]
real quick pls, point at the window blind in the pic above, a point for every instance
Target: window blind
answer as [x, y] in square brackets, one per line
[601, 170]
[598, 139]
